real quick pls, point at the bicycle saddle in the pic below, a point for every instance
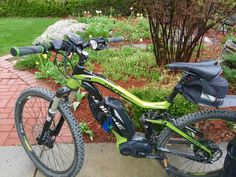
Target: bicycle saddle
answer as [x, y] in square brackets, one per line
[207, 69]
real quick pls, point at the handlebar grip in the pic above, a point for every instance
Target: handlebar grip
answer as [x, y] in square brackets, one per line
[20, 51]
[116, 39]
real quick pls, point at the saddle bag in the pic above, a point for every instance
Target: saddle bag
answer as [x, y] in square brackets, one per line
[204, 92]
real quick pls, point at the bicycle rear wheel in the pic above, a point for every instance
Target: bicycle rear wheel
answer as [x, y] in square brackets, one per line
[213, 129]
[65, 155]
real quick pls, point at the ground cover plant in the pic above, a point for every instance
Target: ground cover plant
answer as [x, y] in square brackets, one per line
[21, 31]
[132, 29]
[125, 63]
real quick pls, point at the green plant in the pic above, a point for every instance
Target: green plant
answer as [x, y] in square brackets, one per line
[229, 66]
[230, 75]
[48, 70]
[132, 29]
[230, 61]
[59, 8]
[179, 108]
[127, 62]
[85, 129]
[28, 62]
[79, 96]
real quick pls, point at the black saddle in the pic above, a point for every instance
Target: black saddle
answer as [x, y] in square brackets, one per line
[207, 69]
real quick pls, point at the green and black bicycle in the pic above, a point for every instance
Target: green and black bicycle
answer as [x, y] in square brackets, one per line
[185, 147]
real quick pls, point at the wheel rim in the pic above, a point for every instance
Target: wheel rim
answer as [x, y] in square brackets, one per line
[61, 157]
[190, 167]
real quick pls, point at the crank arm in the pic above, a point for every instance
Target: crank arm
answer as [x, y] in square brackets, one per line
[154, 156]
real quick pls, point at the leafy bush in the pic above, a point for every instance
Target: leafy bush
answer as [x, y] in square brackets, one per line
[230, 61]
[229, 66]
[126, 62]
[178, 27]
[58, 8]
[230, 75]
[179, 108]
[131, 29]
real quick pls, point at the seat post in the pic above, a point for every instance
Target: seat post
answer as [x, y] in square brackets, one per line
[174, 93]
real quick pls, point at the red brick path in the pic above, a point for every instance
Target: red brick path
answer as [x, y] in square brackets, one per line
[12, 83]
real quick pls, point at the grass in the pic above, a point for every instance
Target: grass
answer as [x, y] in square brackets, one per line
[21, 31]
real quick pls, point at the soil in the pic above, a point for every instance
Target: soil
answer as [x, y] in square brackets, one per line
[217, 130]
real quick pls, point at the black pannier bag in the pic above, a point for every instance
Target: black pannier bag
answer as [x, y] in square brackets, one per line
[204, 92]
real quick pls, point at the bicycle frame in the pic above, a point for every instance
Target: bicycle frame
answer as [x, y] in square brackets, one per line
[76, 81]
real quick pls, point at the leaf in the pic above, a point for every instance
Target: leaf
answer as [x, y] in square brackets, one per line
[75, 105]
[90, 133]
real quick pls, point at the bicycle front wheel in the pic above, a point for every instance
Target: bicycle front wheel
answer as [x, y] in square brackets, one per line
[213, 128]
[61, 154]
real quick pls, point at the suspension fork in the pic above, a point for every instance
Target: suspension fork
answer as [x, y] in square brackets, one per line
[52, 110]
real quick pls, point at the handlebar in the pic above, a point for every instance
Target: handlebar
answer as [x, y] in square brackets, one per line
[20, 51]
[65, 46]
[115, 39]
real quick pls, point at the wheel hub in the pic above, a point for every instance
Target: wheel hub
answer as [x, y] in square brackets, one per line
[47, 140]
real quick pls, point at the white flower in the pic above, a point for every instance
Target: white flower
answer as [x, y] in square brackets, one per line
[85, 12]
[97, 11]
[131, 8]
[141, 39]
[138, 14]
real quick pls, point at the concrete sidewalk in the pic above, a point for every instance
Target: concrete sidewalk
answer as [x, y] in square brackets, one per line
[102, 160]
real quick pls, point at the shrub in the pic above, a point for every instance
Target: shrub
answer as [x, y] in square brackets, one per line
[178, 27]
[230, 69]
[59, 8]
[179, 108]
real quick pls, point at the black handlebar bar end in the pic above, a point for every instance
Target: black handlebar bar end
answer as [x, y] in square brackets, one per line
[15, 51]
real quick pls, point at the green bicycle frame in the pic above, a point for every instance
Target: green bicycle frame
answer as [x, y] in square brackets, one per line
[72, 83]
[75, 83]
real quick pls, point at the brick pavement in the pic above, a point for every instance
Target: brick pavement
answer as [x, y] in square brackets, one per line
[12, 83]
